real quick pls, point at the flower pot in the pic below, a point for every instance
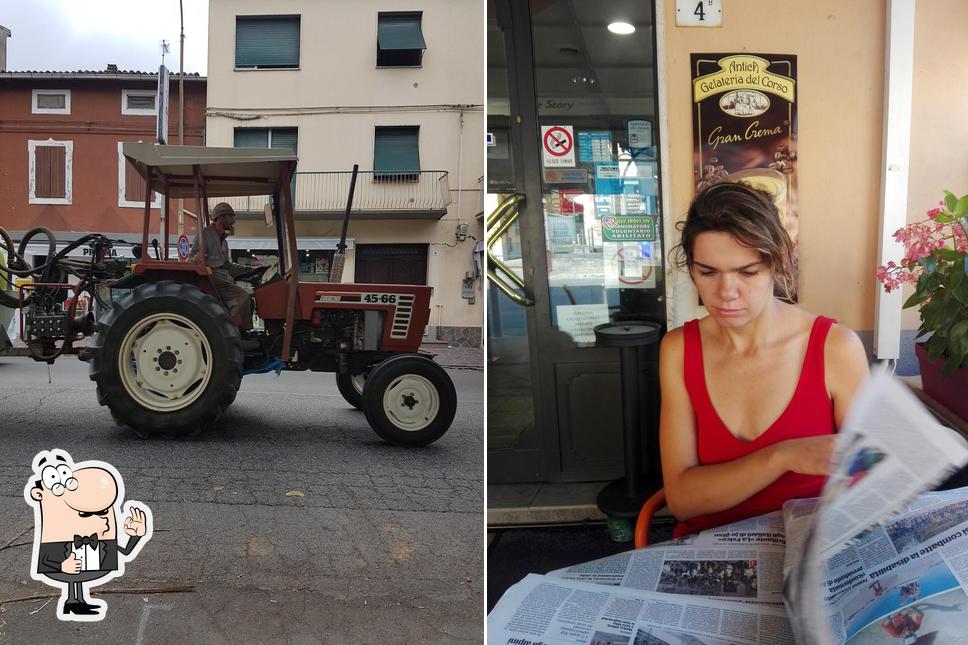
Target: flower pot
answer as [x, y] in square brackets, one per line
[949, 391]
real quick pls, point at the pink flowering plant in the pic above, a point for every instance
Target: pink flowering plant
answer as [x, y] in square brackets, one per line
[936, 262]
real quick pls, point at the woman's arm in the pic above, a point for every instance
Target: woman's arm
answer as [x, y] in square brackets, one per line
[845, 368]
[692, 489]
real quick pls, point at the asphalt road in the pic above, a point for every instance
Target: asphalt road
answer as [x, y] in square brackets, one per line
[384, 544]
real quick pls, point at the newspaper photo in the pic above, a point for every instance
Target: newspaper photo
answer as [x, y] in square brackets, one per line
[740, 561]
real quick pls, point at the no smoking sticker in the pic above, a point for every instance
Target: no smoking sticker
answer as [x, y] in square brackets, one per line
[558, 146]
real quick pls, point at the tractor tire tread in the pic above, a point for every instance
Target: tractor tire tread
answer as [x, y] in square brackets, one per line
[201, 413]
[382, 377]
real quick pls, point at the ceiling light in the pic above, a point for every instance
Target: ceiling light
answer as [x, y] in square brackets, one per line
[622, 28]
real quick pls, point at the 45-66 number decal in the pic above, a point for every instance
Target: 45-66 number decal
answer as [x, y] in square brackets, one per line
[381, 298]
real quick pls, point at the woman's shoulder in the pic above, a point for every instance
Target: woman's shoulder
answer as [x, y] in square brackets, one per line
[673, 341]
[844, 353]
[843, 345]
[801, 324]
[846, 364]
[840, 338]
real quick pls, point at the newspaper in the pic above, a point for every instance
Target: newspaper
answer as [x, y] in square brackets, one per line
[553, 611]
[890, 449]
[739, 561]
[905, 575]
[869, 562]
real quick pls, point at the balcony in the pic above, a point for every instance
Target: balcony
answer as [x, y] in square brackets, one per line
[322, 195]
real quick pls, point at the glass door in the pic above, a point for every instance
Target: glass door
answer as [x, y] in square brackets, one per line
[582, 156]
[512, 439]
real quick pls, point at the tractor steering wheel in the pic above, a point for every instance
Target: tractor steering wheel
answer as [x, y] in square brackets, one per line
[253, 277]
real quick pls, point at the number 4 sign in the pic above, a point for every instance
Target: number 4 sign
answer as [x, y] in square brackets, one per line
[699, 13]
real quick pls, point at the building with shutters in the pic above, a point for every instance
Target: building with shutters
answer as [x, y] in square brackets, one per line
[61, 136]
[397, 89]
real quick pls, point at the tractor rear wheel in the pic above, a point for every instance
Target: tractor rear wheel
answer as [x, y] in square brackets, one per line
[167, 358]
[409, 400]
[351, 387]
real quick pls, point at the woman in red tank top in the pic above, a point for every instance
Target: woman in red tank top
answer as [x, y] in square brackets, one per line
[753, 393]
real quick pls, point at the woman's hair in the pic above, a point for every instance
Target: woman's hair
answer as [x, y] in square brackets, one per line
[751, 217]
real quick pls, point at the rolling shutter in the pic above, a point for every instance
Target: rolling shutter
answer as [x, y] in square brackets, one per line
[259, 138]
[399, 31]
[267, 41]
[396, 150]
[285, 138]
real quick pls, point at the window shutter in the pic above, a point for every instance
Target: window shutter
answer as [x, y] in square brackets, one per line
[399, 31]
[50, 167]
[134, 185]
[396, 150]
[285, 138]
[141, 101]
[400, 41]
[267, 41]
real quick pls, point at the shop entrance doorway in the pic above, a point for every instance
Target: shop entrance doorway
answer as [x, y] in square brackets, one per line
[391, 263]
[574, 233]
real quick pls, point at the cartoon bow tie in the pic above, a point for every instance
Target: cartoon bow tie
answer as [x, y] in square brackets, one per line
[85, 541]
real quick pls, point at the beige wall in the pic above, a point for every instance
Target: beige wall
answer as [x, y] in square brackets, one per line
[337, 141]
[338, 97]
[939, 127]
[840, 48]
[338, 56]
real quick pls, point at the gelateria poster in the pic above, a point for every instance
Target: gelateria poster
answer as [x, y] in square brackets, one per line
[745, 125]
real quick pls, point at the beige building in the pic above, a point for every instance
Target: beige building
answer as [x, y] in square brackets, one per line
[395, 87]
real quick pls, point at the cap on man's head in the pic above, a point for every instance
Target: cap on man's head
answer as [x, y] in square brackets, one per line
[222, 208]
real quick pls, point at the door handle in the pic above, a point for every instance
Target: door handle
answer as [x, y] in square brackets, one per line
[498, 222]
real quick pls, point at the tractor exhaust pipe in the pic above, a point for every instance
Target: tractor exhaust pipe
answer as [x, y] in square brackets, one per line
[339, 258]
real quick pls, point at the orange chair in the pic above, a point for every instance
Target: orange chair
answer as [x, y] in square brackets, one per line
[644, 521]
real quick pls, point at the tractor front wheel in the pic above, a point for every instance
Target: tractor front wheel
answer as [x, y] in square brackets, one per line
[351, 387]
[409, 400]
[167, 358]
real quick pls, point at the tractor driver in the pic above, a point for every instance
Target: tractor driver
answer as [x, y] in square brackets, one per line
[224, 271]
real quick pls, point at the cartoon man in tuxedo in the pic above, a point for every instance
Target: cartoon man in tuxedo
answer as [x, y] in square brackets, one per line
[75, 529]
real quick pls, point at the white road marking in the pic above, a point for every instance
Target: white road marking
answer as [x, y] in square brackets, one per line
[144, 620]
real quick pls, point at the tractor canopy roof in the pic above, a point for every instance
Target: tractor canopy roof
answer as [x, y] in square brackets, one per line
[222, 172]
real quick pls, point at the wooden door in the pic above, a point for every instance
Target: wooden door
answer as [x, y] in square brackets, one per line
[391, 264]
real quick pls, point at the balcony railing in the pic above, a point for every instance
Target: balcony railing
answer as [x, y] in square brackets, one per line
[378, 194]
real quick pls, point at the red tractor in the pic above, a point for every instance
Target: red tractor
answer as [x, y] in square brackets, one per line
[166, 355]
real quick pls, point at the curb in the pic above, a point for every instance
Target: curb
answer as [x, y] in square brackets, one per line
[469, 368]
